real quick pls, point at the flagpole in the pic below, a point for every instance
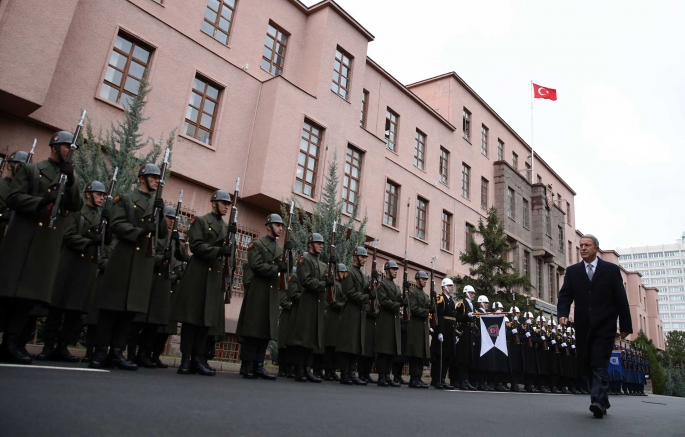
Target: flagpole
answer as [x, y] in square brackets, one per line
[532, 141]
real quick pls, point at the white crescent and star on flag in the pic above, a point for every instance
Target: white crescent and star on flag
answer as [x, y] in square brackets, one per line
[543, 91]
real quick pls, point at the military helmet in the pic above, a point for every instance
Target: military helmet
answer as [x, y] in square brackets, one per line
[169, 211]
[497, 305]
[315, 238]
[390, 265]
[514, 310]
[273, 219]
[96, 187]
[469, 289]
[221, 196]
[541, 318]
[360, 251]
[421, 275]
[528, 315]
[483, 299]
[446, 282]
[62, 137]
[181, 236]
[18, 156]
[342, 267]
[150, 169]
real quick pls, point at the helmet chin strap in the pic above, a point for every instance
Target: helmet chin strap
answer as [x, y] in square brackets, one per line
[58, 151]
[147, 183]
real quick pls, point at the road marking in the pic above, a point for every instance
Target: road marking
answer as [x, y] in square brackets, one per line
[78, 369]
[657, 403]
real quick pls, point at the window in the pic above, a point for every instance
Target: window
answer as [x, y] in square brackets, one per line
[551, 283]
[365, 109]
[529, 171]
[308, 158]
[625, 257]
[466, 124]
[500, 149]
[526, 214]
[570, 252]
[675, 262]
[540, 287]
[275, 45]
[656, 254]
[219, 19]
[353, 169]
[515, 161]
[640, 256]
[511, 204]
[445, 240]
[419, 149]
[484, 140]
[484, 194]
[201, 112]
[671, 254]
[561, 239]
[670, 271]
[465, 180]
[392, 193]
[577, 254]
[342, 66]
[526, 263]
[548, 223]
[656, 264]
[444, 166]
[391, 125]
[127, 65]
[421, 214]
[568, 213]
[468, 235]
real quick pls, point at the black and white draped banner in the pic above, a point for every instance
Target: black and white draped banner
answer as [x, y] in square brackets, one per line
[493, 343]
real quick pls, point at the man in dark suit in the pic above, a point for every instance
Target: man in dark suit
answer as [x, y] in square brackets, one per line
[596, 287]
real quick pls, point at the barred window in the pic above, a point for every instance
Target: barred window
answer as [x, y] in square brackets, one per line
[342, 67]
[353, 169]
[484, 194]
[127, 65]
[526, 263]
[444, 166]
[391, 128]
[466, 124]
[445, 238]
[421, 218]
[515, 161]
[392, 193]
[500, 149]
[275, 46]
[526, 214]
[465, 180]
[202, 107]
[511, 204]
[308, 158]
[419, 149]
[484, 131]
[219, 19]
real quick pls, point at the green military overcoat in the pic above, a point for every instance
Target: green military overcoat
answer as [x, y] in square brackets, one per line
[200, 300]
[352, 326]
[75, 279]
[4, 212]
[418, 329]
[259, 311]
[287, 296]
[307, 314]
[29, 253]
[128, 279]
[332, 317]
[92, 309]
[388, 330]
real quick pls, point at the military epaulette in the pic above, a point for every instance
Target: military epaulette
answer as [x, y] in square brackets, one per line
[290, 277]
[460, 303]
[301, 260]
[440, 299]
[192, 220]
[116, 199]
[346, 275]
[250, 246]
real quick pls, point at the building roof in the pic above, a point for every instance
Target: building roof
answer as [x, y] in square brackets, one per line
[308, 10]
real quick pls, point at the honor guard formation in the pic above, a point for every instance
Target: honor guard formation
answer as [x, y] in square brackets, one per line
[121, 268]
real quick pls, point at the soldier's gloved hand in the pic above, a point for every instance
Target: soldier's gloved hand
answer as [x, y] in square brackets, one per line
[333, 259]
[329, 282]
[67, 168]
[95, 240]
[48, 199]
[223, 251]
[288, 245]
[105, 214]
[158, 204]
[404, 302]
[406, 285]
[175, 235]
[372, 294]
[440, 337]
[179, 275]
[434, 295]
[374, 274]
[167, 255]
[232, 228]
[470, 314]
[282, 267]
[149, 229]
[431, 330]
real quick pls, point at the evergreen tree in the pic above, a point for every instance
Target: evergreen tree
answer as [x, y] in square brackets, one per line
[122, 145]
[656, 374]
[329, 209]
[675, 347]
[489, 272]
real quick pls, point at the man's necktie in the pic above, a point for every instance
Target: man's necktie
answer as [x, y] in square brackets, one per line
[590, 271]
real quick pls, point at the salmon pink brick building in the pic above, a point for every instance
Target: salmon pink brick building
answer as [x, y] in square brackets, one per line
[267, 91]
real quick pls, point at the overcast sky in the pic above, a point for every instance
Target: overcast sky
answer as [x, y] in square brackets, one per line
[614, 134]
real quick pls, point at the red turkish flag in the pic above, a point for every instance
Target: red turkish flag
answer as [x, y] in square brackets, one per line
[540, 92]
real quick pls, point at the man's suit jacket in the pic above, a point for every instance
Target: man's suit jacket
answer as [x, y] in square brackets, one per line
[598, 303]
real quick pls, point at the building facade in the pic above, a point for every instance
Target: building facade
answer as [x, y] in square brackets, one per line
[661, 267]
[270, 91]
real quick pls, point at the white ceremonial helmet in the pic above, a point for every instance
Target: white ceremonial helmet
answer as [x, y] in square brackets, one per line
[554, 323]
[538, 319]
[446, 282]
[514, 310]
[568, 330]
[469, 289]
[483, 299]
[528, 315]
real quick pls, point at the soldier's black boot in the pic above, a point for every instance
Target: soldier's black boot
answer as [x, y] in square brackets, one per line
[355, 380]
[248, 371]
[206, 363]
[311, 377]
[345, 378]
[483, 386]
[14, 355]
[243, 366]
[413, 383]
[299, 374]
[120, 361]
[158, 362]
[328, 375]
[184, 368]
[500, 387]
[382, 382]
[99, 358]
[445, 385]
[62, 353]
[370, 379]
[390, 382]
[290, 372]
[543, 389]
[198, 366]
[89, 355]
[335, 376]
[47, 353]
[260, 372]
[144, 360]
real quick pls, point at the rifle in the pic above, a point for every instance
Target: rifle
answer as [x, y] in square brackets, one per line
[99, 254]
[517, 340]
[62, 182]
[152, 244]
[405, 278]
[286, 256]
[529, 342]
[3, 161]
[433, 318]
[543, 331]
[29, 159]
[330, 296]
[375, 283]
[174, 228]
[229, 266]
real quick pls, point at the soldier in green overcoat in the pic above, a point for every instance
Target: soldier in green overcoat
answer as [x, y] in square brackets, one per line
[14, 162]
[258, 320]
[388, 327]
[128, 279]
[418, 347]
[199, 303]
[30, 250]
[331, 326]
[75, 276]
[307, 315]
[290, 294]
[352, 326]
[159, 307]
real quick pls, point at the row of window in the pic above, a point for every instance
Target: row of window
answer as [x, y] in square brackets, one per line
[637, 265]
[667, 254]
[661, 272]
[673, 316]
[674, 325]
[677, 307]
[662, 281]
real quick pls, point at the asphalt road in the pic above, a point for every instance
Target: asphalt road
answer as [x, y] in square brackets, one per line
[67, 402]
